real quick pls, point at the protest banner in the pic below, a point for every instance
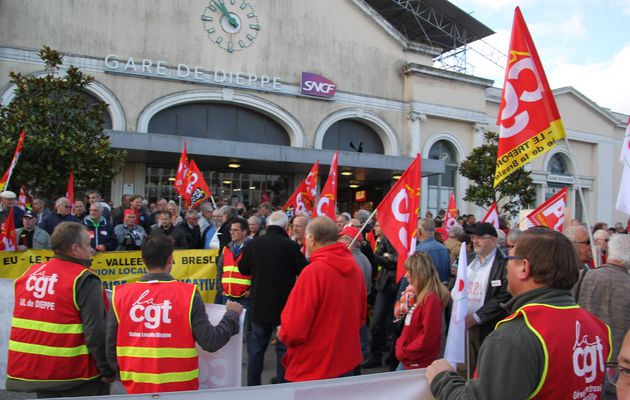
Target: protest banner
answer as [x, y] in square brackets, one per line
[117, 267]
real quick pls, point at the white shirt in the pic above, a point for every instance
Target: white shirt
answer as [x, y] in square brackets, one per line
[478, 275]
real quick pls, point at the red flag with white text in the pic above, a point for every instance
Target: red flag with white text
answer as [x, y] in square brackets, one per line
[452, 213]
[197, 189]
[529, 121]
[328, 197]
[70, 188]
[398, 214]
[8, 239]
[492, 216]
[182, 173]
[551, 212]
[302, 200]
[4, 182]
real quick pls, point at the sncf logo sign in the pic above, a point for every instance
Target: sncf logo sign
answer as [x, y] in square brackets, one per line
[151, 314]
[317, 85]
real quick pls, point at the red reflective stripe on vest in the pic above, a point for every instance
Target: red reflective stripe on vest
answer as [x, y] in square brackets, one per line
[45, 294]
[230, 288]
[155, 315]
[576, 346]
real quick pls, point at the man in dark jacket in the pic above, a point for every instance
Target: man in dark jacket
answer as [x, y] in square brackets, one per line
[165, 227]
[102, 236]
[190, 228]
[7, 202]
[487, 278]
[61, 214]
[228, 214]
[273, 261]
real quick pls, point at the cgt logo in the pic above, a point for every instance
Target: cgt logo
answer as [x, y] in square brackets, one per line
[40, 284]
[588, 356]
[317, 85]
[152, 314]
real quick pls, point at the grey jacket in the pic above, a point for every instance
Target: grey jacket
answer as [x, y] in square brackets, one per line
[41, 238]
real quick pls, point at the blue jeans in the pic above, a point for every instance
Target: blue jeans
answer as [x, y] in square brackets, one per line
[257, 343]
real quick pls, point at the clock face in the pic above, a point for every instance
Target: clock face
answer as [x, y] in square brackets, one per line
[231, 24]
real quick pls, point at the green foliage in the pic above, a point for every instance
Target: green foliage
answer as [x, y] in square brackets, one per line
[62, 131]
[514, 193]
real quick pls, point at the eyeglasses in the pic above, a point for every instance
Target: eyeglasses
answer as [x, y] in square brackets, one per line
[586, 242]
[617, 375]
[514, 258]
[67, 206]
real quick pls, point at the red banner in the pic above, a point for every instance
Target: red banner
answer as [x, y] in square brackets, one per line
[182, 173]
[8, 240]
[529, 121]
[551, 212]
[197, 189]
[4, 182]
[303, 199]
[328, 198]
[398, 214]
[492, 216]
[452, 213]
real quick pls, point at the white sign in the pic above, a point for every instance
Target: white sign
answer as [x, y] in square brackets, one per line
[561, 179]
[221, 369]
[184, 72]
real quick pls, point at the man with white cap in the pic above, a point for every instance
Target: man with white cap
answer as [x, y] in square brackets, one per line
[7, 202]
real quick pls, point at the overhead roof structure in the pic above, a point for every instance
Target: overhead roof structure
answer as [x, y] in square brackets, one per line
[434, 22]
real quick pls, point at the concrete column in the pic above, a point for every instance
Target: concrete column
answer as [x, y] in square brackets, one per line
[415, 118]
[479, 130]
[604, 185]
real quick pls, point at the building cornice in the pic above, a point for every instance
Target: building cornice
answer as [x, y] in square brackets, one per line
[412, 69]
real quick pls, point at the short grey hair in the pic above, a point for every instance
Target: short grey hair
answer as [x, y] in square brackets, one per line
[455, 231]
[600, 234]
[514, 234]
[278, 218]
[253, 220]
[230, 211]
[192, 213]
[61, 200]
[427, 225]
[207, 207]
[362, 215]
[98, 206]
[571, 231]
[619, 248]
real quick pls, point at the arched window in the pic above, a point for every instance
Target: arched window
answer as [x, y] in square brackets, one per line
[442, 185]
[107, 119]
[558, 165]
[352, 135]
[219, 121]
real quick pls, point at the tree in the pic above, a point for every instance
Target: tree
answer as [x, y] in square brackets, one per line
[514, 193]
[62, 131]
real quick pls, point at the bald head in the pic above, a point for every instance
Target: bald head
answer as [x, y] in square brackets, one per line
[323, 230]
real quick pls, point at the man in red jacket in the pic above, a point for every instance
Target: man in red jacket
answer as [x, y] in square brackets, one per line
[325, 311]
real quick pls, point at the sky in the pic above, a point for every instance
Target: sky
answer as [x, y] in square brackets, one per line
[581, 43]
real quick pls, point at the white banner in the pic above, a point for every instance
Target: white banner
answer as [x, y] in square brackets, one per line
[401, 385]
[221, 369]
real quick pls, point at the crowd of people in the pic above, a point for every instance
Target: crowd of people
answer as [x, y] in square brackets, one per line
[543, 318]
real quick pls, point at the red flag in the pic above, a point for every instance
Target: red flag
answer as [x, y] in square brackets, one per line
[492, 216]
[197, 189]
[180, 185]
[551, 212]
[303, 199]
[328, 196]
[8, 240]
[4, 182]
[452, 213]
[398, 214]
[529, 121]
[23, 201]
[70, 189]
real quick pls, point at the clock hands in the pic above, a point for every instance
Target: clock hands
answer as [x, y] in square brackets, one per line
[221, 6]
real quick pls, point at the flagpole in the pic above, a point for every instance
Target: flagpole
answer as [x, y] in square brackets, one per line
[213, 203]
[362, 228]
[467, 356]
[584, 207]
